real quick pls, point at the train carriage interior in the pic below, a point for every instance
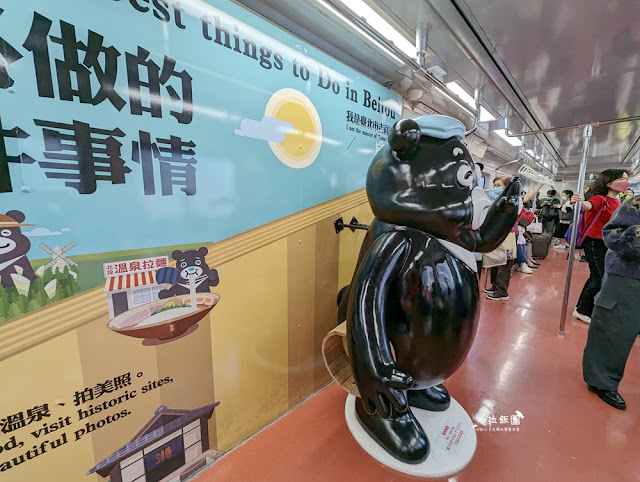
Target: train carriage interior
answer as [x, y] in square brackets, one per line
[331, 310]
[526, 79]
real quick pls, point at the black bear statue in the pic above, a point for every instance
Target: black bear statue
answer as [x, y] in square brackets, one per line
[412, 306]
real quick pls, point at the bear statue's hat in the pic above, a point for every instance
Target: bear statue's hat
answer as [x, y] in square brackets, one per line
[440, 126]
[9, 222]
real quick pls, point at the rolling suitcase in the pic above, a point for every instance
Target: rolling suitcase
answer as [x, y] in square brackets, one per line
[540, 245]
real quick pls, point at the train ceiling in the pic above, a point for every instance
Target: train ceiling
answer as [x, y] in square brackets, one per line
[543, 63]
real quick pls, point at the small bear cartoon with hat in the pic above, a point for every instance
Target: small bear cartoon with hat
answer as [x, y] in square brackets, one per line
[14, 247]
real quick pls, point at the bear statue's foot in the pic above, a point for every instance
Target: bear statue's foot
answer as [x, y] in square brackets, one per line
[434, 399]
[401, 435]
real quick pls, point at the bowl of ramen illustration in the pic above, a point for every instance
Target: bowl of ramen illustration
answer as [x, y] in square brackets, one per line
[164, 319]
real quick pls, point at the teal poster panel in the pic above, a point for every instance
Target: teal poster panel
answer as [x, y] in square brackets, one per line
[132, 124]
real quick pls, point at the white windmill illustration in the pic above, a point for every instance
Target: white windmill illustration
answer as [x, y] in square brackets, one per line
[60, 260]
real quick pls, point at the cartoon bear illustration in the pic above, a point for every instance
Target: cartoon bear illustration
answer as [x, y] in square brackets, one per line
[191, 263]
[412, 306]
[14, 247]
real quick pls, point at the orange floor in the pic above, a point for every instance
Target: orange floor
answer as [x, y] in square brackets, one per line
[517, 363]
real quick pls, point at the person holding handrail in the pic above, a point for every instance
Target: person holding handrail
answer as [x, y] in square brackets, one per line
[615, 322]
[500, 276]
[598, 211]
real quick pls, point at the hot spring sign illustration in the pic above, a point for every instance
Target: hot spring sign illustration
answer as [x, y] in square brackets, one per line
[149, 299]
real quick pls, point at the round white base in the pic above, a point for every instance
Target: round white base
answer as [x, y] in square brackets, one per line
[451, 435]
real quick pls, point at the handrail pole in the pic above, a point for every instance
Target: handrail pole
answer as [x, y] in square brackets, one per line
[586, 137]
[478, 95]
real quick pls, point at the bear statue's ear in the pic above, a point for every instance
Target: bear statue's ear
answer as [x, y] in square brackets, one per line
[18, 216]
[203, 251]
[177, 254]
[404, 138]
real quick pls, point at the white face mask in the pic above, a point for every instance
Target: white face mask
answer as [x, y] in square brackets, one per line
[565, 199]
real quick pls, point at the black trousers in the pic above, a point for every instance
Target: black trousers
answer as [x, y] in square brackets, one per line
[594, 250]
[614, 326]
[548, 227]
[500, 278]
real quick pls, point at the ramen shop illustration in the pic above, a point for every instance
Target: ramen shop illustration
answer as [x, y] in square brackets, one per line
[150, 299]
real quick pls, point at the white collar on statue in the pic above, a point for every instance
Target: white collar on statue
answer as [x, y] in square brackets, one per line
[464, 255]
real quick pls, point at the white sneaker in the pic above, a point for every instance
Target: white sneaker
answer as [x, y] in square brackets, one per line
[581, 317]
[560, 246]
[523, 268]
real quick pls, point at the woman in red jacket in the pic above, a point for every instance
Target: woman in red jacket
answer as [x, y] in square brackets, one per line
[598, 211]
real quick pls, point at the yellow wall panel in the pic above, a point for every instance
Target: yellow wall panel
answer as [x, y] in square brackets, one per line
[99, 348]
[301, 281]
[249, 343]
[326, 290]
[259, 347]
[350, 242]
[188, 362]
[47, 374]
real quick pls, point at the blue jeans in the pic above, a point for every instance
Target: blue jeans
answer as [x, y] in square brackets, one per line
[521, 255]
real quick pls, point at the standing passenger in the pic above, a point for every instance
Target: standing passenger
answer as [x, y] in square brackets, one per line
[615, 322]
[501, 275]
[549, 212]
[521, 258]
[566, 217]
[598, 211]
[528, 199]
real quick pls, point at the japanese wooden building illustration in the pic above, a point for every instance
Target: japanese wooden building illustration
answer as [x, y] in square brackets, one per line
[171, 439]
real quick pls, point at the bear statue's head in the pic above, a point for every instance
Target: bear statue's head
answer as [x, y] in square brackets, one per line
[12, 242]
[191, 262]
[424, 177]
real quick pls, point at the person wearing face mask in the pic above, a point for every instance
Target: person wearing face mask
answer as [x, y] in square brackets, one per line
[480, 181]
[497, 188]
[549, 212]
[527, 201]
[615, 323]
[598, 211]
[501, 275]
[566, 216]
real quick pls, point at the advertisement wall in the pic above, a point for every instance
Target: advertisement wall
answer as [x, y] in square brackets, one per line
[169, 177]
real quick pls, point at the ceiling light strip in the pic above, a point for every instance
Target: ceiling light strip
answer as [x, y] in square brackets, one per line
[338, 8]
[366, 35]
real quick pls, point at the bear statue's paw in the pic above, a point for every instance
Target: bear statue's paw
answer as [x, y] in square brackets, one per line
[401, 435]
[434, 399]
